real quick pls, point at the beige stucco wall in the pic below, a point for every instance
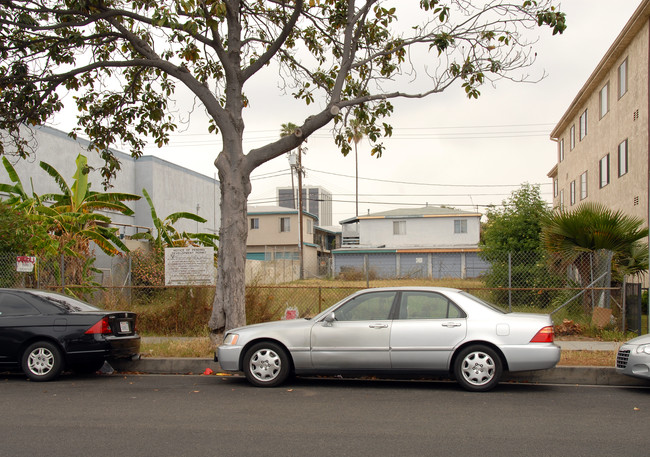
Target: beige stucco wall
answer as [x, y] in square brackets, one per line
[627, 119]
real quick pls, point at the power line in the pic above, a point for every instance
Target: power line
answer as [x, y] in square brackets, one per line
[420, 183]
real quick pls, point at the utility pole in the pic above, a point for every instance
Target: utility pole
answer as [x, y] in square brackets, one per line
[300, 243]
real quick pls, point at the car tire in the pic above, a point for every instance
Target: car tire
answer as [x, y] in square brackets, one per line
[478, 368]
[42, 361]
[266, 364]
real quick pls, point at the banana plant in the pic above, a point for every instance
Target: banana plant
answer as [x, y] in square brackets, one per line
[168, 236]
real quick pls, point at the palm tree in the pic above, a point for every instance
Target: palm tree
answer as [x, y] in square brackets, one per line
[572, 237]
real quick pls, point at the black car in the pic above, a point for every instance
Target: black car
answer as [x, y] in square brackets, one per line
[45, 333]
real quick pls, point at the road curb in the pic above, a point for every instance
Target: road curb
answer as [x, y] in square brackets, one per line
[605, 376]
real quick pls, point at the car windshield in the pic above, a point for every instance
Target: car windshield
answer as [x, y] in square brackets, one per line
[68, 303]
[483, 302]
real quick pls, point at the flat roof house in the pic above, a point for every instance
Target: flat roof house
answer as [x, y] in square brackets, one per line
[428, 242]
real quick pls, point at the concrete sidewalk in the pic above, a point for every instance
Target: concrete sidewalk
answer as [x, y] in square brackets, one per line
[557, 375]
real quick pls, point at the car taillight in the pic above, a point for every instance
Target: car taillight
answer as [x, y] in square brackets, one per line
[101, 327]
[545, 335]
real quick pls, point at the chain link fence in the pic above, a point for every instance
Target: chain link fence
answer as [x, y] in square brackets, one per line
[579, 295]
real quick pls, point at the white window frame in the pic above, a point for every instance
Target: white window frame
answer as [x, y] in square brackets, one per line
[255, 223]
[399, 227]
[561, 149]
[285, 224]
[603, 98]
[622, 78]
[623, 158]
[556, 187]
[562, 199]
[603, 171]
[584, 191]
[572, 193]
[583, 125]
[572, 137]
[460, 226]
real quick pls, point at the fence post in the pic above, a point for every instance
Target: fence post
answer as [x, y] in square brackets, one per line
[366, 267]
[624, 305]
[510, 281]
[62, 272]
[320, 299]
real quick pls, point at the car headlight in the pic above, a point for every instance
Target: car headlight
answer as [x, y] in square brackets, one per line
[643, 349]
[230, 339]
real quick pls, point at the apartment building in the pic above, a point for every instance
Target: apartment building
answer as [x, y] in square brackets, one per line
[602, 138]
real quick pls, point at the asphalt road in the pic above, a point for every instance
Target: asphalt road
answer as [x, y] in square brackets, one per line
[168, 415]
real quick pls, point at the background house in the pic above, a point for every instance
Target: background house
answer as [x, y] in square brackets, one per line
[273, 239]
[602, 138]
[429, 242]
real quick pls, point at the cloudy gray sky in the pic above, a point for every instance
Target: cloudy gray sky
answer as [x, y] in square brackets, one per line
[446, 149]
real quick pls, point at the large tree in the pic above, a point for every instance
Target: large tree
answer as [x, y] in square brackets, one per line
[123, 59]
[516, 226]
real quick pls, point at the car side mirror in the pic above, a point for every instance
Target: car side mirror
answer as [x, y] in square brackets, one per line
[329, 319]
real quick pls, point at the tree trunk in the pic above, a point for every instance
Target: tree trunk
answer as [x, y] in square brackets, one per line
[229, 307]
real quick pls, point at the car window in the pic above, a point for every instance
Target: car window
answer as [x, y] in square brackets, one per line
[428, 305]
[483, 302]
[65, 302]
[13, 305]
[367, 307]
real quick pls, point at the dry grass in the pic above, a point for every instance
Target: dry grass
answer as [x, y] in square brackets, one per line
[190, 347]
[588, 358]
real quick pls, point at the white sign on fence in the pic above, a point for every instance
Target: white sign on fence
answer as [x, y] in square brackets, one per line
[189, 266]
[25, 263]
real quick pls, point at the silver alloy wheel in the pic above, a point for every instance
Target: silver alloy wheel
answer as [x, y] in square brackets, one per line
[265, 365]
[478, 368]
[40, 361]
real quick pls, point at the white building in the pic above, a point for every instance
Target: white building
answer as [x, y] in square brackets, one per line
[171, 187]
[431, 242]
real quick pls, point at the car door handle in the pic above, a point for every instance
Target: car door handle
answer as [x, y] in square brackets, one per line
[451, 324]
[378, 325]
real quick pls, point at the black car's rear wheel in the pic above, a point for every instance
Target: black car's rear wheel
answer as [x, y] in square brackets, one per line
[478, 368]
[266, 364]
[42, 361]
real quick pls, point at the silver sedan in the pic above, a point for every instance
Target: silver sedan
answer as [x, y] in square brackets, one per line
[633, 358]
[414, 330]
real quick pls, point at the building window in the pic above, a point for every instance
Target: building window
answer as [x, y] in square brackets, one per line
[622, 79]
[561, 149]
[562, 199]
[604, 171]
[572, 193]
[460, 226]
[310, 226]
[583, 186]
[572, 138]
[399, 227]
[622, 159]
[555, 187]
[255, 223]
[285, 224]
[583, 125]
[604, 100]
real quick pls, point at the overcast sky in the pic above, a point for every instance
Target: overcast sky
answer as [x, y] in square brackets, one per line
[446, 149]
